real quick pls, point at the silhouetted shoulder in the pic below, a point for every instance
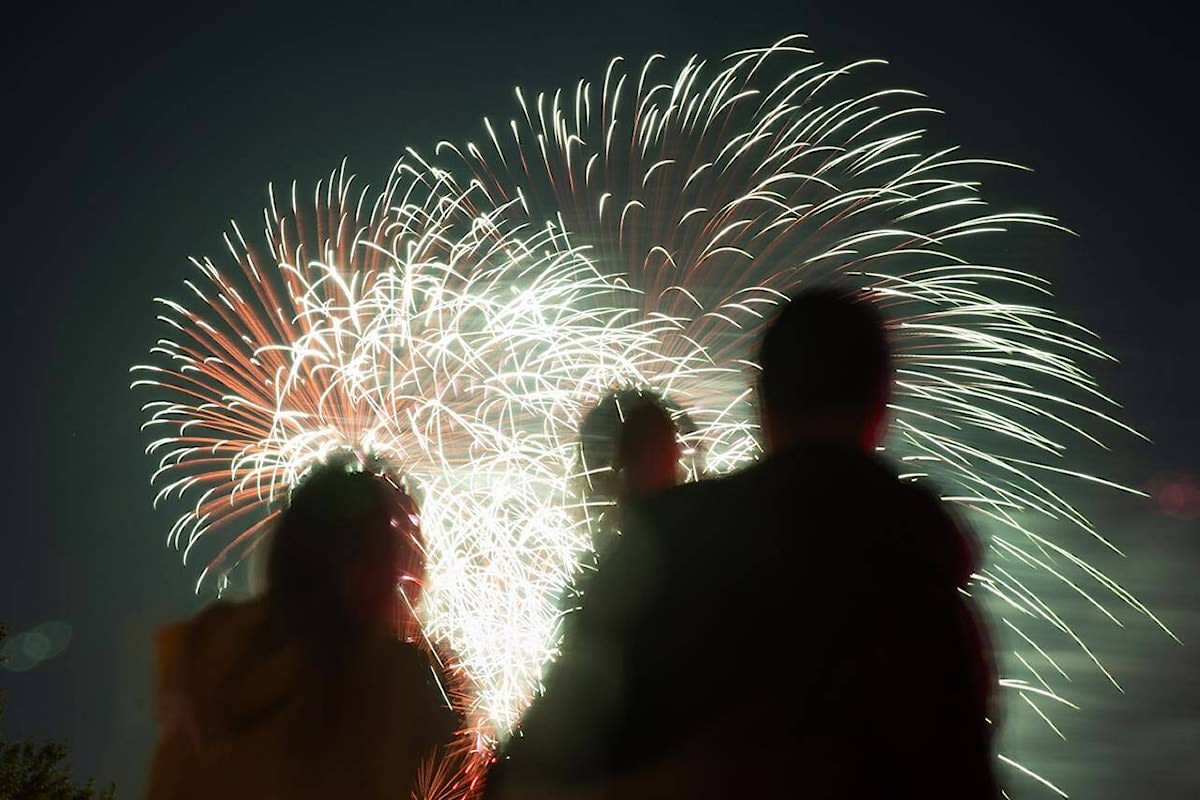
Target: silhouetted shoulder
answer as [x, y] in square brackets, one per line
[693, 508]
[938, 537]
[404, 681]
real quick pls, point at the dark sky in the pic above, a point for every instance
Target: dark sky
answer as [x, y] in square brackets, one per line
[134, 136]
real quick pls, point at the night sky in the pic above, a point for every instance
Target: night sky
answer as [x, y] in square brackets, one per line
[134, 136]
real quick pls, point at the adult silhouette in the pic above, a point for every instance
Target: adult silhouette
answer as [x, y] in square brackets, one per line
[795, 629]
[317, 689]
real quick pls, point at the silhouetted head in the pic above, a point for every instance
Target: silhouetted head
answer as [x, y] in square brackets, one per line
[826, 372]
[648, 450]
[629, 444]
[342, 548]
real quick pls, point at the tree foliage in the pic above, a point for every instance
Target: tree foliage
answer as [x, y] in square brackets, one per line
[33, 770]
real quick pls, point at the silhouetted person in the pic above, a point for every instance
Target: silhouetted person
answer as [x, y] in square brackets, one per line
[316, 690]
[648, 451]
[796, 629]
[626, 418]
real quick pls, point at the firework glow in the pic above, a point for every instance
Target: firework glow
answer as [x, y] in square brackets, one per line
[628, 234]
[408, 333]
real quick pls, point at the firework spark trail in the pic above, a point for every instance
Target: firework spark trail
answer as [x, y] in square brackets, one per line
[633, 233]
[406, 328]
[713, 191]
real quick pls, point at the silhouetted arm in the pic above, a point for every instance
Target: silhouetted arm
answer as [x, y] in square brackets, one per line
[565, 737]
[173, 753]
[924, 711]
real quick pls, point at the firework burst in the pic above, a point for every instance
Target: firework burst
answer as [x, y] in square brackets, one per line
[630, 234]
[404, 329]
[714, 191]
